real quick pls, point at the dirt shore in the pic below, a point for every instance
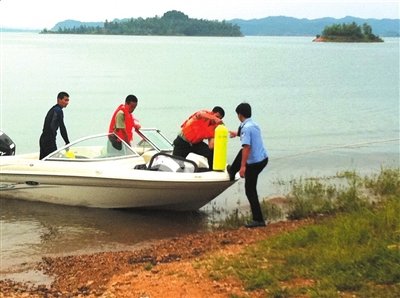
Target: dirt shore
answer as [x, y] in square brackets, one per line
[165, 269]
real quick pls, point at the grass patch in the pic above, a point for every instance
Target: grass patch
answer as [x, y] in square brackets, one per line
[356, 252]
[236, 218]
[346, 192]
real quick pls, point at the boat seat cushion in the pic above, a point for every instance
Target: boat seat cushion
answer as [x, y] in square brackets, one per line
[169, 163]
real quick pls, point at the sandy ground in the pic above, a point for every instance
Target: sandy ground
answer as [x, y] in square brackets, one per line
[165, 269]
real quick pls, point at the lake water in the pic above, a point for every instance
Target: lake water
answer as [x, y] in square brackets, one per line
[322, 107]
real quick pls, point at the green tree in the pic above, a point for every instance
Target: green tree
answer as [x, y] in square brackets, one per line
[175, 15]
[349, 32]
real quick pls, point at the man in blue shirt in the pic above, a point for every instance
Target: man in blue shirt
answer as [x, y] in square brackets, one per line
[250, 161]
[53, 121]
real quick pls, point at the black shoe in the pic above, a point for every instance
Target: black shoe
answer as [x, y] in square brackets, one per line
[231, 175]
[255, 224]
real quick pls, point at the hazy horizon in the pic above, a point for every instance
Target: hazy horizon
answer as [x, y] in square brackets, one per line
[39, 14]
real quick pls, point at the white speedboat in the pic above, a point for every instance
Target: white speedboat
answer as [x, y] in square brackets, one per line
[92, 172]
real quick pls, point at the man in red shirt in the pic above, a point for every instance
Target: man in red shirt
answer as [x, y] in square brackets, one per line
[198, 127]
[122, 122]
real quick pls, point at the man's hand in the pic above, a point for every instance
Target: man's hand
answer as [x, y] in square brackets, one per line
[211, 143]
[242, 171]
[233, 134]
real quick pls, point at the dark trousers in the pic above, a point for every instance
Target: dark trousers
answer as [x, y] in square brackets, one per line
[47, 146]
[250, 185]
[183, 148]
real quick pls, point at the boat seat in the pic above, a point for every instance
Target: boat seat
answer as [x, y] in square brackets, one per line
[148, 155]
[169, 163]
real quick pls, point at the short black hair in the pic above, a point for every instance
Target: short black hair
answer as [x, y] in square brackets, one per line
[244, 109]
[218, 109]
[62, 94]
[131, 98]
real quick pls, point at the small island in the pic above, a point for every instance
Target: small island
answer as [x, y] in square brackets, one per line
[172, 23]
[347, 33]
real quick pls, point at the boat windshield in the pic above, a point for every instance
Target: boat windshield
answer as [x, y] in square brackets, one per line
[99, 147]
[146, 142]
[152, 138]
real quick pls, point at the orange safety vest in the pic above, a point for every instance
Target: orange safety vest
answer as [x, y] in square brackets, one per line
[197, 128]
[129, 123]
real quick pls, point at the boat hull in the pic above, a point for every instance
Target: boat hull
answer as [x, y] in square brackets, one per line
[112, 193]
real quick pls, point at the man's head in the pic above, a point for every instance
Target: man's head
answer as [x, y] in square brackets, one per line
[63, 99]
[131, 101]
[244, 109]
[219, 112]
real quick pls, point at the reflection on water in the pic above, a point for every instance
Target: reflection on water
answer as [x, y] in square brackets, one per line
[30, 230]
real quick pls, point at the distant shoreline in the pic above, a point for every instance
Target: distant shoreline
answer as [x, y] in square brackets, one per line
[12, 30]
[324, 39]
[316, 39]
[270, 26]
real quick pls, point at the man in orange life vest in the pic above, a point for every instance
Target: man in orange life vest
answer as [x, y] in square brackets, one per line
[122, 121]
[199, 126]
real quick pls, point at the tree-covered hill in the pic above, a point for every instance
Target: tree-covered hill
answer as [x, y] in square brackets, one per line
[172, 23]
[348, 33]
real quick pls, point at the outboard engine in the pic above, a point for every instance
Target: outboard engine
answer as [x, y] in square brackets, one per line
[7, 146]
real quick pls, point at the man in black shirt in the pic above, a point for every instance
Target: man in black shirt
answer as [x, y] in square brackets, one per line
[54, 120]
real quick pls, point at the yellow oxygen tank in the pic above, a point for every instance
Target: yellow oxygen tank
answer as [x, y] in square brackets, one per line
[220, 148]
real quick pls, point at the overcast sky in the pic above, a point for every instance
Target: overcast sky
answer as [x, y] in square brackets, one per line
[39, 14]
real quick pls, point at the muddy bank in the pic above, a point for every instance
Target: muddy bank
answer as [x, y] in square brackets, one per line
[165, 263]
